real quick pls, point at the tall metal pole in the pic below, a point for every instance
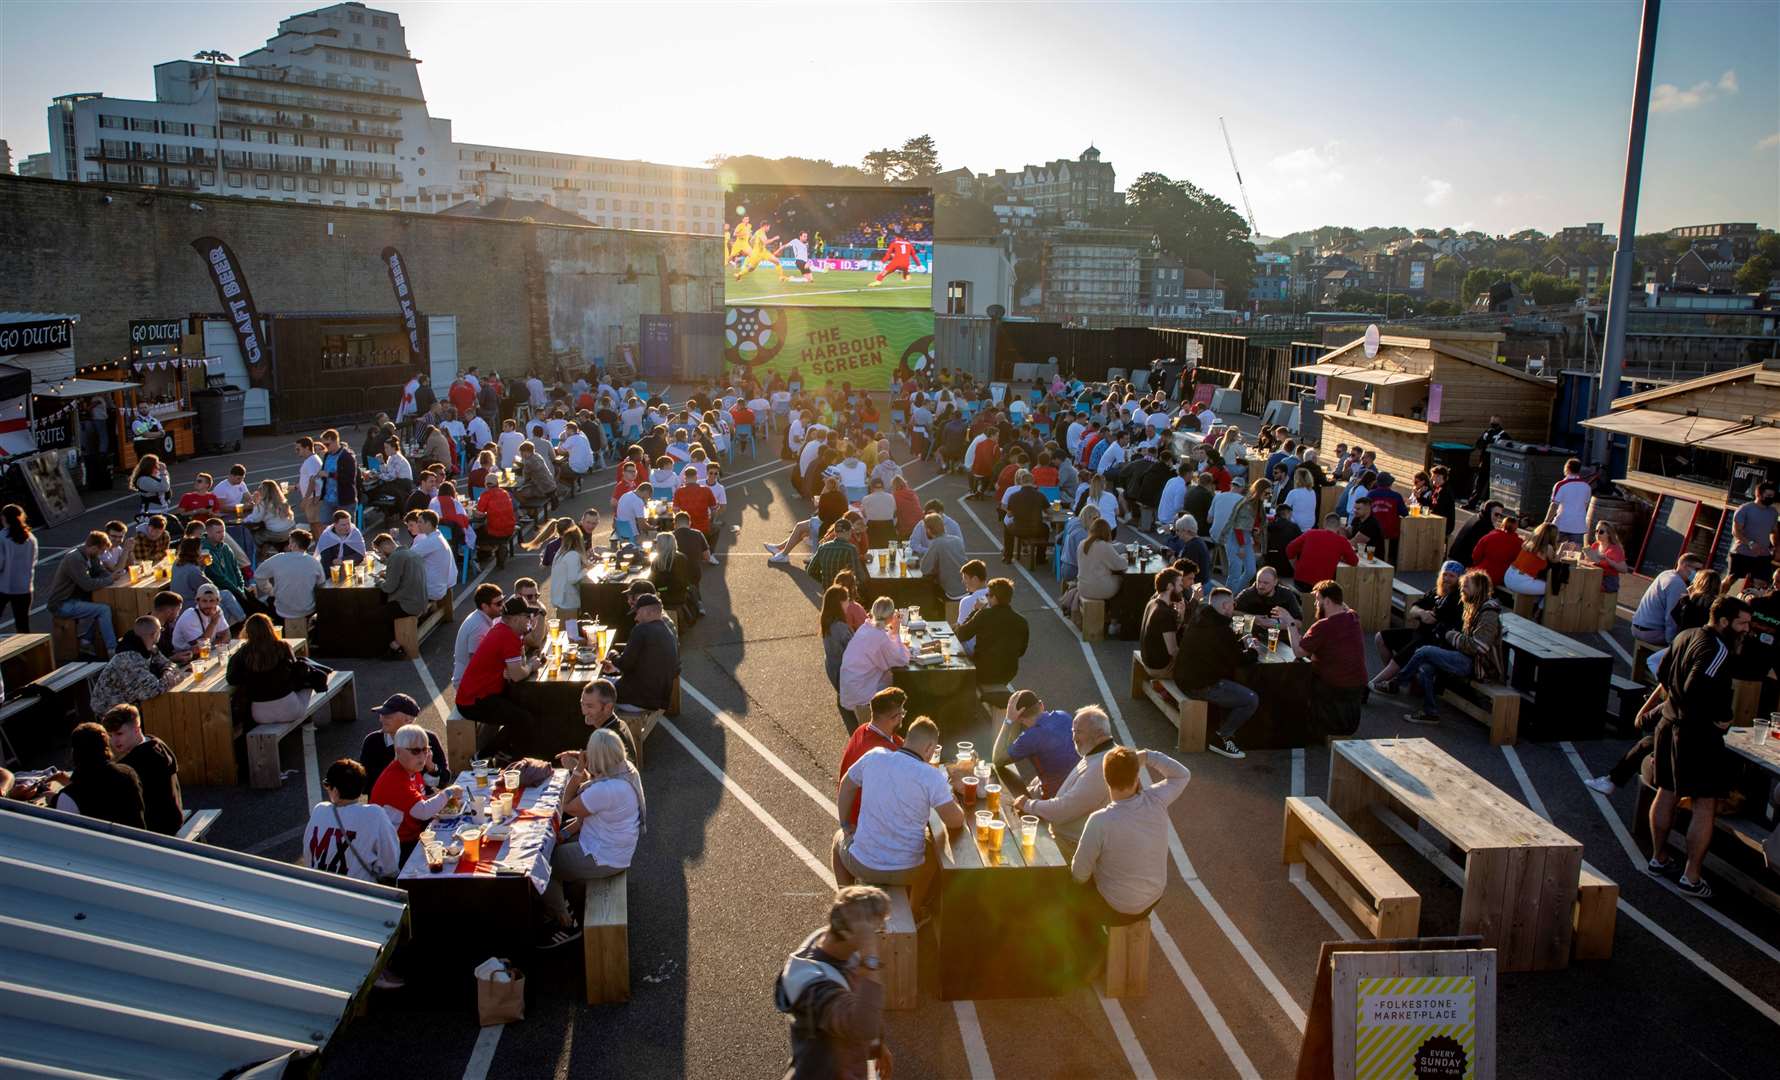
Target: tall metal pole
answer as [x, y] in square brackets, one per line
[1619, 285]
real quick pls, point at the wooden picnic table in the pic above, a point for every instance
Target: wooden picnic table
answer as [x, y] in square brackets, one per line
[1282, 680]
[1577, 607]
[604, 585]
[1137, 583]
[1521, 872]
[1367, 589]
[352, 618]
[129, 600]
[943, 689]
[196, 718]
[1567, 681]
[1003, 928]
[553, 696]
[902, 581]
[25, 658]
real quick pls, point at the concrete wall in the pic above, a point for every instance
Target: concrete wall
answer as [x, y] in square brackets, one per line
[985, 266]
[519, 290]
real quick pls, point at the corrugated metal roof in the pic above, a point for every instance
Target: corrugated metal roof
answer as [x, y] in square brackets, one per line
[130, 954]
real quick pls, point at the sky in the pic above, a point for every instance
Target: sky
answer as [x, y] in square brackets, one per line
[1493, 116]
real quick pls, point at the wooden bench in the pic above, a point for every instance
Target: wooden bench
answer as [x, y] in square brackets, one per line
[299, 626]
[1030, 551]
[1596, 913]
[1403, 594]
[1191, 717]
[639, 723]
[1745, 700]
[1128, 959]
[1499, 709]
[71, 680]
[1629, 696]
[262, 739]
[605, 939]
[1092, 620]
[898, 949]
[65, 634]
[1376, 894]
[197, 824]
[463, 740]
[1641, 651]
[411, 630]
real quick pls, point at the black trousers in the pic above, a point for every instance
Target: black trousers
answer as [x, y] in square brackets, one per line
[21, 611]
[1009, 535]
[514, 721]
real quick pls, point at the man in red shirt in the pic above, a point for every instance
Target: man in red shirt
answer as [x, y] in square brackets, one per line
[1497, 550]
[198, 503]
[1315, 554]
[897, 257]
[887, 708]
[1337, 649]
[696, 499]
[500, 659]
[740, 414]
[495, 509]
[462, 396]
[982, 464]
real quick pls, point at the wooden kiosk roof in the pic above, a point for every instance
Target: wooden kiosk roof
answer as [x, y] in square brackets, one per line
[1403, 359]
[1735, 411]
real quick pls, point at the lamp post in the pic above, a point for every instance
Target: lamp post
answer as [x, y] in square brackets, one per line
[214, 57]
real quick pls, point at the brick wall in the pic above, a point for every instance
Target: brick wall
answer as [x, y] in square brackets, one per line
[518, 289]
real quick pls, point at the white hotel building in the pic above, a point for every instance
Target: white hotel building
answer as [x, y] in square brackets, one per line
[330, 111]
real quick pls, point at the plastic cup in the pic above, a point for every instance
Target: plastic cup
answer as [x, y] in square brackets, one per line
[510, 781]
[967, 752]
[983, 818]
[1028, 833]
[969, 784]
[997, 834]
[435, 858]
[472, 839]
[993, 793]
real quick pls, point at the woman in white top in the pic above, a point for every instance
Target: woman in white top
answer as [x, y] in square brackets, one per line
[1301, 500]
[852, 474]
[271, 516]
[603, 800]
[565, 572]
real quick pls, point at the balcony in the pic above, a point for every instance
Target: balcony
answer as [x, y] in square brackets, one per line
[312, 104]
[154, 153]
[289, 122]
[308, 166]
[366, 87]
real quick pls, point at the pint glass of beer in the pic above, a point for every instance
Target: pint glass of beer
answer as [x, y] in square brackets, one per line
[1273, 639]
[983, 818]
[993, 793]
[997, 833]
[1028, 834]
[970, 790]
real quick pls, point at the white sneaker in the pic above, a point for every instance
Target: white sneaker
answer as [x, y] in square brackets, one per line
[1602, 785]
[781, 557]
[771, 549]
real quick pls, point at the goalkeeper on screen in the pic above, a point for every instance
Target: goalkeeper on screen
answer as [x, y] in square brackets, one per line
[898, 254]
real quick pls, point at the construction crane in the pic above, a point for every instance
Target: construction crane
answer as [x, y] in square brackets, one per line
[1253, 231]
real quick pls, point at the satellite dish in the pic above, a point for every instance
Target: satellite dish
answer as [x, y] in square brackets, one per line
[996, 311]
[1371, 345]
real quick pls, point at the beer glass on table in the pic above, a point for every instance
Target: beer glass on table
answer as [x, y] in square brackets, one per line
[997, 834]
[983, 818]
[992, 792]
[1028, 834]
[1273, 639]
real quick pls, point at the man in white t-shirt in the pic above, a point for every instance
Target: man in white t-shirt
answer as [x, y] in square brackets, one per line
[233, 490]
[475, 626]
[632, 512]
[535, 393]
[1207, 419]
[580, 451]
[510, 440]
[434, 552]
[1569, 504]
[896, 790]
[309, 482]
[975, 575]
[477, 431]
[799, 247]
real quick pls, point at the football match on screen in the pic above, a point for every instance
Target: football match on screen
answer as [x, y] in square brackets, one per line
[828, 246]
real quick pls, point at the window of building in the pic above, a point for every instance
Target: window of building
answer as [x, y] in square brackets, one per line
[364, 205]
[380, 64]
[381, 22]
[310, 183]
[957, 298]
[357, 60]
[139, 124]
[649, 206]
[649, 223]
[207, 178]
[339, 187]
[331, 57]
[263, 182]
[234, 179]
[364, 188]
[633, 209]
[599, 204]
[633, 223]
[287, 183]
[355, 17]
[112, 121]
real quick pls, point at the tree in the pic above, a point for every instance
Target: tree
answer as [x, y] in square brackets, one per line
[918, 157]
[881, 165]
[1187, 221]
[752, 169]
[958, 218]
[1448, 272]
[1478, 282]
[1754, 275]
[1281, 246]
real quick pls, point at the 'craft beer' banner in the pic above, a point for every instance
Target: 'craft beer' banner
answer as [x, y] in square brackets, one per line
[404, 287]
[861, 346]
[237, 302]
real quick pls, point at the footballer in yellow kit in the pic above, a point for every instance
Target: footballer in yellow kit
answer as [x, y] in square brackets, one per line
[739, 246]
[760, 254]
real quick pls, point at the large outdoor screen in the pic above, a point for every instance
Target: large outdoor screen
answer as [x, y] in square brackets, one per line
[828, 246]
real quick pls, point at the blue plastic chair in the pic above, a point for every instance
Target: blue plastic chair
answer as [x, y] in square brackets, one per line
[623, 530]
[898, 417]
[854, 494]
[1051, 493]
[870, 426]
[742, 431]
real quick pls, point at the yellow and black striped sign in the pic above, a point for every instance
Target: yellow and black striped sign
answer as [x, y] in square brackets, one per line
[1416, 1028]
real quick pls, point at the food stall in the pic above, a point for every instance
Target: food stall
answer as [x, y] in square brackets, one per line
[40, 434]
[1698, 449]
[1402, 395]
[161, 365]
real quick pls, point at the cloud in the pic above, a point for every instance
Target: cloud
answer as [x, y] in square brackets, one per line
[1768, 143]
[1667, 97]
[1435, 191]
[1310, 167]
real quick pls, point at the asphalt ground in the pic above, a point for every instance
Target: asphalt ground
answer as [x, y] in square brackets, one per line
[732, 874]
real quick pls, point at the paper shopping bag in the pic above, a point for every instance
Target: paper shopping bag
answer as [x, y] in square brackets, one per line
[501, 1000]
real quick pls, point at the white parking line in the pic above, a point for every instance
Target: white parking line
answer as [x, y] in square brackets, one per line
[1115, 1015]
[1637, 860]
[976, 1048]
[482, 1056]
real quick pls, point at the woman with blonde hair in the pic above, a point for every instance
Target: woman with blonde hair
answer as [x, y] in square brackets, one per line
[271, 518]
[1101, 565]
[565, 572]
[1238, 534]
[866, 665]
[1526, 576]
[1075, 530]
[605, 813]
[1301, 500]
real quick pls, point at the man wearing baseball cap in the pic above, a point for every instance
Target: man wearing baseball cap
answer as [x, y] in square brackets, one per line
[379, 747]
[646, 667]
[499, 660]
